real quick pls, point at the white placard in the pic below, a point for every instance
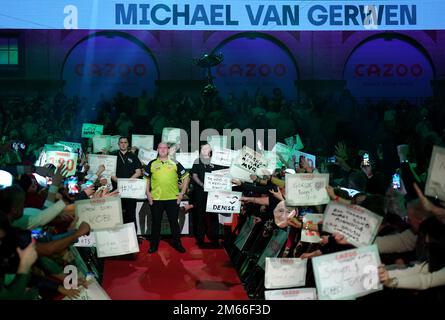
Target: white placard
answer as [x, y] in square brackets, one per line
[435, 183]
[216, 182]
[110, 163]
[187, 158]
[132, 188]
[250, 160]
[147, 155]
[306, 189]
[224, 202]
[241, 174]
[217, 142]
[93, 292]
[87, 241]
[114, 143]
[58, 158]
[222, 172]
[346, 275]
[171, 135]
[308, 235]
[142, 141]
[357, 224]
[222, 157]
[117, 241]
[291, 294]
[100, 143]
[285, 273]
[283, 152]
[100, 213]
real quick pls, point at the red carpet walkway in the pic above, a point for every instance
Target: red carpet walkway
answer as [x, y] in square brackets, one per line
[198, 274]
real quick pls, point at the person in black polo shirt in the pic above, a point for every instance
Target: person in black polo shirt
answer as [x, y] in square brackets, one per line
[162, 194]
[128, 166]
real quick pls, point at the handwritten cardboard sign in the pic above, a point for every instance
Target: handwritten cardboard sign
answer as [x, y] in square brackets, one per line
[110, 163]
[116, 241]
[357, 224]
[346, 275]
[224, 202]
[101, 213]
[171, 135]
[132, 188]
[93, 292]
[222, 157]
[87, 241]
[217, 182]
[250, 160]
[435, 183]
[306, 189]
[101, 142]
[285, 273]
[306, 234]
[90, 130]
[142, 141]
[291, 294]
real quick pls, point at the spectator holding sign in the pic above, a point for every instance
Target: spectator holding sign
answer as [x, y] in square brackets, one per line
[128, 166]
[162, 194]
[203, 223]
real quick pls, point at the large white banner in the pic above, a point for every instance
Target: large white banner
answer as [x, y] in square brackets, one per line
[101, 213]
[224, 202]
[132, 188]
[110, 163]
[346, 275]
[215, 182]
[357, 224]
[285, 273]
[291, 294]
[117, 241]
[306, 189]
[435, 183]
[142, 141]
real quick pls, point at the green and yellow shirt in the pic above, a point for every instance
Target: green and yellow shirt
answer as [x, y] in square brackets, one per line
[164, 177]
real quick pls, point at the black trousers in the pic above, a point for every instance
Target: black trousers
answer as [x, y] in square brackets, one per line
[129, 211]
[172, 210]
[203, 222]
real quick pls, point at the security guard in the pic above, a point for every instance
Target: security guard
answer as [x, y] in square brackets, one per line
[162, 194]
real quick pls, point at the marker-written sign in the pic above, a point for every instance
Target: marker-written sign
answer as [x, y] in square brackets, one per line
[110, 163]
[306, 189]
[357, 224]
[90, 130]
[250, 160]
[101, 142]
[132, 188]
[224, 202]
[285, 273]
[117, 241]
[435, 183]
[59, 158]
[101, 213]
[217, 182]
[291, 294]
[222, 157]
[346, 275]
